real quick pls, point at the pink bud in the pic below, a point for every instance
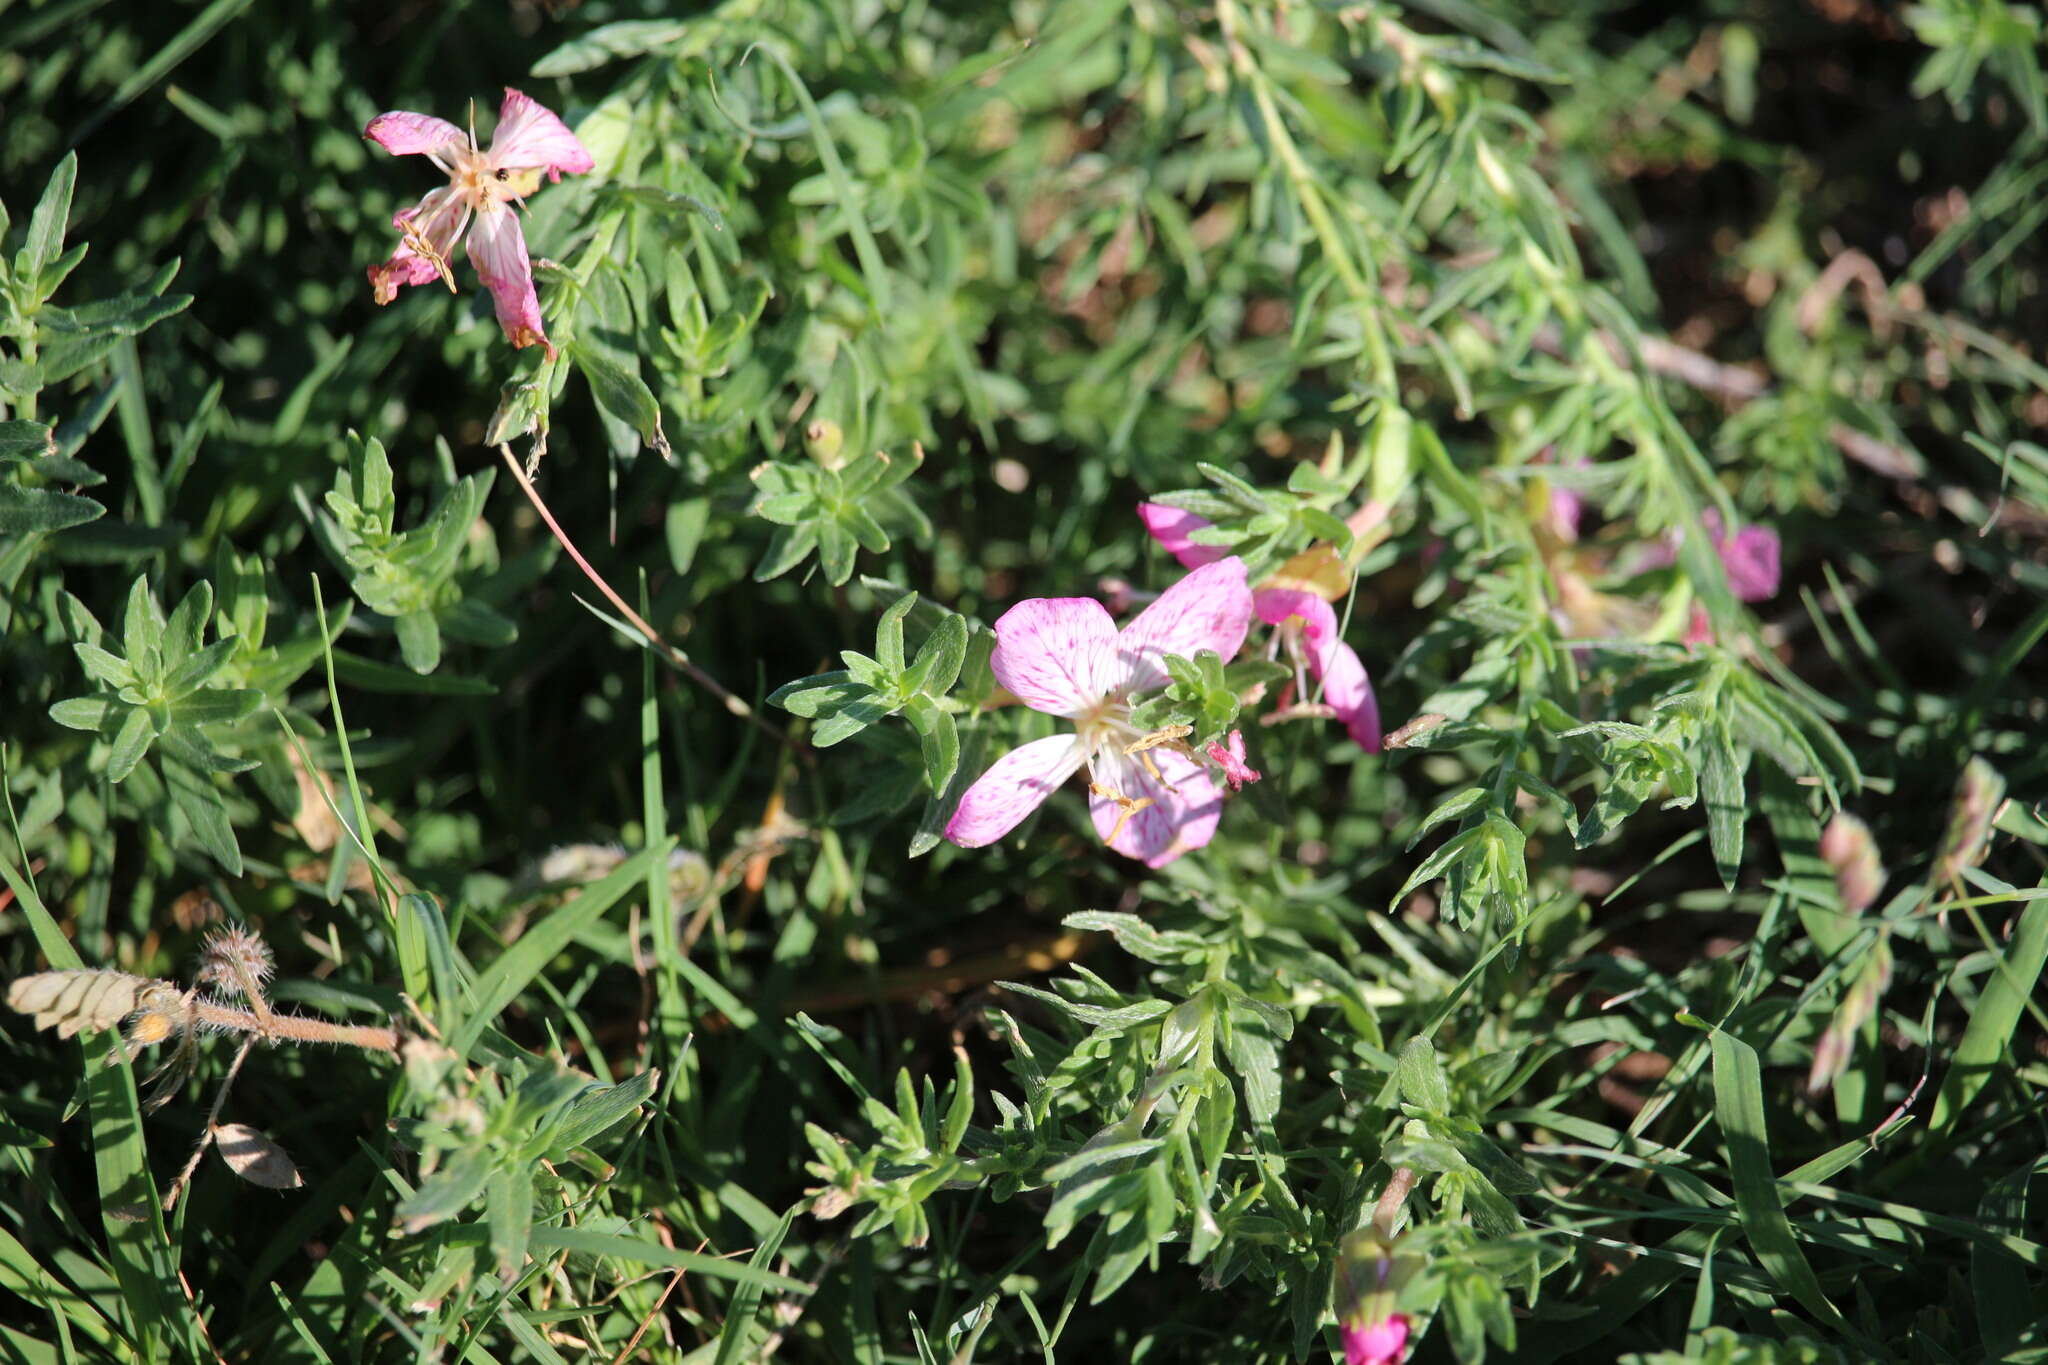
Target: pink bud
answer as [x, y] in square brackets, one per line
[1979, 794]
[1850, 852]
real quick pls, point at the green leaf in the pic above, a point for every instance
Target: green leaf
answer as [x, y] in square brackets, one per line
[21, 440]
[131, 742]
[217, 706]
[633, 1251]
[1739, 1108]
[26, 510]
[46, 225]
[596, 1111]
[819, 694]
[623, 394]
[1421, 1077]
[518, 965]
[889, 634]
[937, 665]
[419, 640]
[199, 801]
[1996, 1015]
[1722, 768]
[938, 739]
[82, 713]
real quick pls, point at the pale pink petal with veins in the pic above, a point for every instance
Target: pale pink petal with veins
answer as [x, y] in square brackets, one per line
[498, 247]
[1210, 608]
[529, 137]
[1172, 527]
[1159, 818]
[1056, 654]
[408, 134]
[1014, 786]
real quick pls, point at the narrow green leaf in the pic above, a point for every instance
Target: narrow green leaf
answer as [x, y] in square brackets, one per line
[1739, 1108]
[46, 225]
[1996, 1015]
[518, 965]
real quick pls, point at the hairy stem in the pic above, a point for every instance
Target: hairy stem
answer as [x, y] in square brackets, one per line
[296, 1028]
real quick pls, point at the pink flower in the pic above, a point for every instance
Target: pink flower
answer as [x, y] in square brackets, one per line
[483, 192]
[1749, 557]
[1381, 1343]
[1065, 656]
[1307, 626]
[1229, 756]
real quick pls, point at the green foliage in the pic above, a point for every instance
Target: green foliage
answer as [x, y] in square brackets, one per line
[1493, 326]
[414, 576]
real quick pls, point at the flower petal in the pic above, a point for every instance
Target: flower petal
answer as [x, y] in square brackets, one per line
[530, 137]
[1171, 527]
[1381, 1343]
[1158, 820]
[436, 221]
[1347, 689]
[1012, 788]
[1211, 608]
[408, 134]
[1751, 559]
[498, 247]
[1056, 654]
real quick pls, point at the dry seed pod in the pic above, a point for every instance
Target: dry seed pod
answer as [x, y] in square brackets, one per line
[72, 1000]
[254, 1157]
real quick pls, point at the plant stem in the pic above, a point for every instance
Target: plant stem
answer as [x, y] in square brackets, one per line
[296, 1028]
[674, 656]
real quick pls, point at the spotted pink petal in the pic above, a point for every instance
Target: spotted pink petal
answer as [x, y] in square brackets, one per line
[1172, 527]
[1014, 786]
[498, 247]
[1056, 654]
[1177, 814]
[407, 134]
[438, 218]
[530, 137]
[1210, 608]
[1346, 689]
[1381, 1343]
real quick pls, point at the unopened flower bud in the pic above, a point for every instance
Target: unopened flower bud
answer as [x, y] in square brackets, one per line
[1979, 794]
[1832, 1052]
[1851, 854]
[825, 443]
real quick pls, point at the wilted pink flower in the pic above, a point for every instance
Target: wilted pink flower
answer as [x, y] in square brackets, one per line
[1380, 1343]
[481, 197]
[1229, 756]
[1065, 656]
[1308, 626]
